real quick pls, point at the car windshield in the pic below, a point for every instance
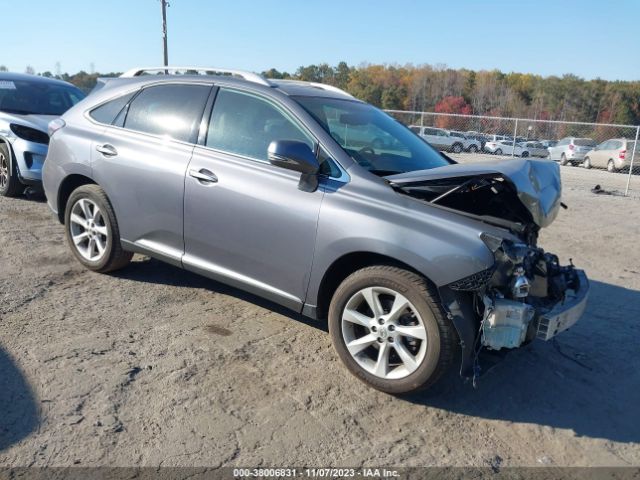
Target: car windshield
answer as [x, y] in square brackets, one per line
[25, 97]
[584, 142]
[372, 138]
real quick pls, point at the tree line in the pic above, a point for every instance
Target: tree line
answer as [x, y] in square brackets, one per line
[442, 89]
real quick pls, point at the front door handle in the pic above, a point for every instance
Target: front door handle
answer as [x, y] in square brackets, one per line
[203, 175]
[107, 150]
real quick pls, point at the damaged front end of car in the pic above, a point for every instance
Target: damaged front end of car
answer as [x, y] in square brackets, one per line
[526, 294]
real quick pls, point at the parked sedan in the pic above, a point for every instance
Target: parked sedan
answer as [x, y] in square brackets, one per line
[535, 149]
[614, 155]
[506, 147]
[571, 150]
[439, 138]
[468, 143]
[27, 104]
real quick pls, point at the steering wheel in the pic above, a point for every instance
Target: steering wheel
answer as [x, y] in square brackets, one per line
[367, 150]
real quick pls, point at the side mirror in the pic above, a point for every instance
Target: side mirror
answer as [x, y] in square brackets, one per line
[296, 156]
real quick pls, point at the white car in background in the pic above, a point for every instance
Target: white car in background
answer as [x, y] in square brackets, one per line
[506, 147]
[571, 150]
[535, 149]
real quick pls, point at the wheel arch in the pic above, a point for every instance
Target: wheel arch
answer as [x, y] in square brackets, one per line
[347, 264]
[67, 186]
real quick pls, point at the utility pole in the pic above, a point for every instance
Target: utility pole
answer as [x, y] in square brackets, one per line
[164, 31]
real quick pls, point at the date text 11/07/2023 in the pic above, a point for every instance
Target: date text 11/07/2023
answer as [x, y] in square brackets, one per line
[315, 473]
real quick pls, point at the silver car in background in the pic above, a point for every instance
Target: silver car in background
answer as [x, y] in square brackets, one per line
[415, 260]
[27, 104]
[571, 150]
[614, 155]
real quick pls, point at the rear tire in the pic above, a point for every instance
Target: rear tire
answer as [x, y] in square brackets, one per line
[563, 159]
[10, 185]
[391, 348]
[587, 163]
[456, 148]
[92, 230]
[498, 152]
[525, 154]
[611, 167]
[473, 149]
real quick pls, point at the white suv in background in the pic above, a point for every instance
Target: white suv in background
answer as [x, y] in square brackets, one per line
[571, 150]
[439, 138]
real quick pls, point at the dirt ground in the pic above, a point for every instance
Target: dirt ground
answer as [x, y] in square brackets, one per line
[156, 366]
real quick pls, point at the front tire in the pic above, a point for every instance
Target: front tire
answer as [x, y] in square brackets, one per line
[10, 185]
[498, 152]
[390, 330]
[92, 230]
[587, 163]
[563, 159]
[456, 148]
[473, 149]
[611, 167]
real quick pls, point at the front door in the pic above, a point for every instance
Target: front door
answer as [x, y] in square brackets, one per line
[246, 222]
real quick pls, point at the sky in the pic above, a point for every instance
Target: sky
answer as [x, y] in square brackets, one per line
[588, 38]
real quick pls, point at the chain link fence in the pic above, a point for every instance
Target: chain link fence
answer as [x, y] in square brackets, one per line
[591, 154]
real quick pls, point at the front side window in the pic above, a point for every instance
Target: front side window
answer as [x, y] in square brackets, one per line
[245, 125]
[173, 111]
[372, 138]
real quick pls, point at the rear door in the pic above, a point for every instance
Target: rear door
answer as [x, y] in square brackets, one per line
[246, 221]
[141, 163]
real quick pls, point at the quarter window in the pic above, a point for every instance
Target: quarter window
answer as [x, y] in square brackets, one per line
[174, 111]
[107, 112]
[244, 124]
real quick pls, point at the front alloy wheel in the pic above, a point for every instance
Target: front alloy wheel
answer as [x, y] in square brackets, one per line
[10, 186]
[390, 330]
[384, 333]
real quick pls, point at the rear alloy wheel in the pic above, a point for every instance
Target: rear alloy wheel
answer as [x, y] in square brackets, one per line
[498, 151]
[563, 159]
[390, 330]
[587, 163]
[10, 186]
[611, 166]
[473, 149]
[457, 148]
[92, 230]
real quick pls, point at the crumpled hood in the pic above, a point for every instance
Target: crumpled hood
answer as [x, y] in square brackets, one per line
[39, 122]
[537, 182]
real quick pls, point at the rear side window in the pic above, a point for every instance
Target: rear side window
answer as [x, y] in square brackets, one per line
[173, 111]
[584, 142]
[245, 125]
[107, 112]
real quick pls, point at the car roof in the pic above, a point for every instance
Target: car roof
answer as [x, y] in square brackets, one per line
[287, 87]
[25, 77]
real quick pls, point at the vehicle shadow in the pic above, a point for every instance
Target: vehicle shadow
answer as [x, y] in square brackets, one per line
[587, 380]
[150, 270]
[20, 415]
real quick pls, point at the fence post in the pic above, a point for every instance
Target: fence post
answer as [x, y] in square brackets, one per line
[421, 120]
[633, 154]
[515, 133]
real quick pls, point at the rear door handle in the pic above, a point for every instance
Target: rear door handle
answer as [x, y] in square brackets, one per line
[203, 175]
[107, 150]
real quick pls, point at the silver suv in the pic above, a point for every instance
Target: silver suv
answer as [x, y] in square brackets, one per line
[414, 259]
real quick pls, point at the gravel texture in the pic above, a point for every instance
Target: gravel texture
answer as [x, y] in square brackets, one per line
[156, 366]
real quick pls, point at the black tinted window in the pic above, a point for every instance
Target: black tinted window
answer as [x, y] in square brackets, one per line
[26, 97]
[106, 113]
[170, 110]
[245, 124]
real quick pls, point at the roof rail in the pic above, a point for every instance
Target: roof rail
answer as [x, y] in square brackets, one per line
[249, 76]
[323, 86]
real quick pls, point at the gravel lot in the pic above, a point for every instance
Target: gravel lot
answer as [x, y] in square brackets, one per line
[156, 366]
